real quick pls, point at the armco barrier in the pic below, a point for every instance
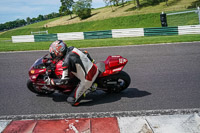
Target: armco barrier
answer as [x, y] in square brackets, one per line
[161, 31]
[98, 34]
[25, 38]
[71, 36]
[191, 29]
[43, 38]
[116, 33]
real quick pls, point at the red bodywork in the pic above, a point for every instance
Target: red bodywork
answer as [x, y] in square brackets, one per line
[59, 69]
[113, 64]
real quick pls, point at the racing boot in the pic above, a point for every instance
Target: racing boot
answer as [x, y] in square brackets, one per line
[71, 99]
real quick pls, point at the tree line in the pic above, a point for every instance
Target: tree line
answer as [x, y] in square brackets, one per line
[22, 22]
[138, 2]
[150, 2]
[82, 8]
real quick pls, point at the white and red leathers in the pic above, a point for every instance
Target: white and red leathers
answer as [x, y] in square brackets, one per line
[81, 66]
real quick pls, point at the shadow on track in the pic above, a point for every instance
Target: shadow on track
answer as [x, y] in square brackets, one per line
[100, 97]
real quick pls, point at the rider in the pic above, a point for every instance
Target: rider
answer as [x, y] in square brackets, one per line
[77, 62]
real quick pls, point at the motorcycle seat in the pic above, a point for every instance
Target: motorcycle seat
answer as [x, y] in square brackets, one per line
[101, 66]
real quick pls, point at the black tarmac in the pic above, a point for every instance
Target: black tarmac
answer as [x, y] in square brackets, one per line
[165, 76]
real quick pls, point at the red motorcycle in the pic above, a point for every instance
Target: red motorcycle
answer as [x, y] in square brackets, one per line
[111, 78]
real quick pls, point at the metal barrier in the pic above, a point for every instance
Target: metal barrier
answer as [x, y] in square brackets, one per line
[196, 11]
[43, 38]
[161, 31]
[98, 34]
[39, 32]
[117, 33]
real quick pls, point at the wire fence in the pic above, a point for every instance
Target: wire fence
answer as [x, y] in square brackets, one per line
[179, 18]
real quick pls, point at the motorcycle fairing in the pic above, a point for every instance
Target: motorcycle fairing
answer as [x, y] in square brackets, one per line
[113, 64]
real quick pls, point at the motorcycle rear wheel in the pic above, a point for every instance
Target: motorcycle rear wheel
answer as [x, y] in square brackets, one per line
[34, 89]
[123, 81]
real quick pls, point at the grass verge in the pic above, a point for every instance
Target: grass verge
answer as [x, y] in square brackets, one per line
[6, 45]
[134, 21]
[124, 22]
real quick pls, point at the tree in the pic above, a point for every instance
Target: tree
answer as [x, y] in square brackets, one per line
[28, 20]
[115, 2]
[22, 22]
[40, 18]
[2, 27]
[45, 17]
[65, 7]
[138, 3]
[109, 2]
[82, 8]
[112, 3]
[154, 2]
[34, 20]
[166, 2]
[123, 1]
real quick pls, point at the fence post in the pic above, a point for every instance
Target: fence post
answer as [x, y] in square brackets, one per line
[198, 10]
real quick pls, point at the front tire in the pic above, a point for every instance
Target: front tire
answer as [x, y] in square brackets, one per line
[34, 89]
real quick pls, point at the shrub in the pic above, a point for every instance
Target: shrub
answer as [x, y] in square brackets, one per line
[82, 8]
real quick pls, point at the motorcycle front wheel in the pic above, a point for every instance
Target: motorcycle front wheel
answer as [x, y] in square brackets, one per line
[33, 88]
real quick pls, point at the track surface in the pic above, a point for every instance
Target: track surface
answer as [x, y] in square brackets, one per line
[163, 77]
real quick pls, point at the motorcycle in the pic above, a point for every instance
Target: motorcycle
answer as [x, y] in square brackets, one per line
[111, 78]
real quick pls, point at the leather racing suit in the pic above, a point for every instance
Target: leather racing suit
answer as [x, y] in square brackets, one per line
[82, 67]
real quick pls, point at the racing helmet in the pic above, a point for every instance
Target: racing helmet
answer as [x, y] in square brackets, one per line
[58, 49]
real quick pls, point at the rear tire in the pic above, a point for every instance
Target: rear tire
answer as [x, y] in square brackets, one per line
[33, 89]
[123, 81]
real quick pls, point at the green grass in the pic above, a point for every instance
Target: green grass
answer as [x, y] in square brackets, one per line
[134, 21]
[145, 17]
[183, 19]
[6, 45]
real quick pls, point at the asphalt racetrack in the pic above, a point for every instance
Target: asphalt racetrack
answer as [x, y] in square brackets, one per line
[165, 76]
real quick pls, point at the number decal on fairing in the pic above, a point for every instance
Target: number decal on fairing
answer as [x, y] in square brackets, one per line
[122, 60]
